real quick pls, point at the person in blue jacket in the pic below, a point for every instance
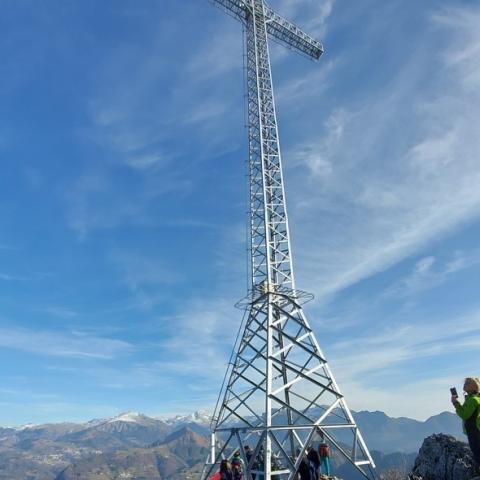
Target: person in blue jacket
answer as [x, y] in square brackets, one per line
[469, 412]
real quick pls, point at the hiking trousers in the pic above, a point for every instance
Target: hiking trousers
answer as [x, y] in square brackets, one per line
[325, 465]
[473, 435]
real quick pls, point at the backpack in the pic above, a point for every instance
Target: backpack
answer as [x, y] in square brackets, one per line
[237, 472]
[323, 450]
[227, 475]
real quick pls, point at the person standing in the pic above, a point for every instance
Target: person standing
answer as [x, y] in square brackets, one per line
[314, 462]
[225, 470]
[304, 469]
[324, 454]
[469, 412]
[248, 455]
[237, 466]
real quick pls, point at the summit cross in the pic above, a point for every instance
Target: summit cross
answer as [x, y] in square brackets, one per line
[279, 398]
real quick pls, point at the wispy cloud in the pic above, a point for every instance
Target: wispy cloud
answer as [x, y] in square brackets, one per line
[102, 199]
[427, 274]
[397, 344]
[7, 277]
[58, 311]
[300, 90]
[205, 331]
[219, 58]
[380, 192]
[155, 119]
[149, 276]
[73, 344]
[311, 15]
[147, 161]
[142, 270]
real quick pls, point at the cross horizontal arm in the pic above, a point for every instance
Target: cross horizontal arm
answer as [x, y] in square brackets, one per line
[291, 36]
[283, 31]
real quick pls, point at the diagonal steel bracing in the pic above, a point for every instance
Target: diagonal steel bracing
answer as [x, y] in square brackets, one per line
[280, 396]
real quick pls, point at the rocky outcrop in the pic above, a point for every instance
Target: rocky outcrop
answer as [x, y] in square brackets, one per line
[442, 457]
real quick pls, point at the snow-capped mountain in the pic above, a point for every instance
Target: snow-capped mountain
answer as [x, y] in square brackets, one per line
[134, 417]
[129, 429]
[198, 422]
[199, 417]
[24, 427]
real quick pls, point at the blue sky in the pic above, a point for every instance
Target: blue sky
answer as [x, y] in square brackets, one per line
[123, 198]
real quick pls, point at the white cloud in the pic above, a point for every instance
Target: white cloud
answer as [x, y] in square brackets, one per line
[73, 344]
[146, 161]
[389, 176]
[204, 331]
[146, 275]
[311, 15]
[100, 199]
[142, 270]
[390, 348]
[58, 311]
[376, 372]
[297, 92]
[424, 265]
[219, 57]
[6, 277]
[425, 276]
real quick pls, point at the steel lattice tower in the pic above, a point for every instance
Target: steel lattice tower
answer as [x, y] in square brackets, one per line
[279, 395]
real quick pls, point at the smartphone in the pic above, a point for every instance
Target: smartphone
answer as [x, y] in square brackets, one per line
[453, 391]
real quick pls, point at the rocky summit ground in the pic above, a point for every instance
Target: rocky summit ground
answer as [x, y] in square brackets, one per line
[442, 457]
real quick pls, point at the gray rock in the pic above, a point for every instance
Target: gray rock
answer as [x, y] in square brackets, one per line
[442, 457]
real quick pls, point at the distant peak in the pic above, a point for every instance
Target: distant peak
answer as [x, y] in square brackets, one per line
[128, 417]
[199, 416]
[25, 427]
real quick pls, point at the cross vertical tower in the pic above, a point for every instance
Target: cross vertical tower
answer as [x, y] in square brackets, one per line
[279, 396]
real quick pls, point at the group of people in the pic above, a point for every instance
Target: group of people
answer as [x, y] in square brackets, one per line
[233, 470]
[315, 462]
[469, 412]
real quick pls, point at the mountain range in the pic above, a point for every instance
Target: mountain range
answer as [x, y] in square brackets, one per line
[133, 445]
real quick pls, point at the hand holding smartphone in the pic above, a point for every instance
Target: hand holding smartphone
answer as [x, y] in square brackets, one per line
[453, 391]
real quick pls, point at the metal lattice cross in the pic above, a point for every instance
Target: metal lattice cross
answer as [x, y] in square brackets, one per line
[279, 396]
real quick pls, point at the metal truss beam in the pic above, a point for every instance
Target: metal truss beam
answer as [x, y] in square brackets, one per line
[291, 36]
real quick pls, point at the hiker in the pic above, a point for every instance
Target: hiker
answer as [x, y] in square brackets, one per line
[248, 455]
[261, 463]
[469, 412]
[304, 470]
[237, 466]
[225, 470]
[248, 452]
[314, 462]
[324, 454]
